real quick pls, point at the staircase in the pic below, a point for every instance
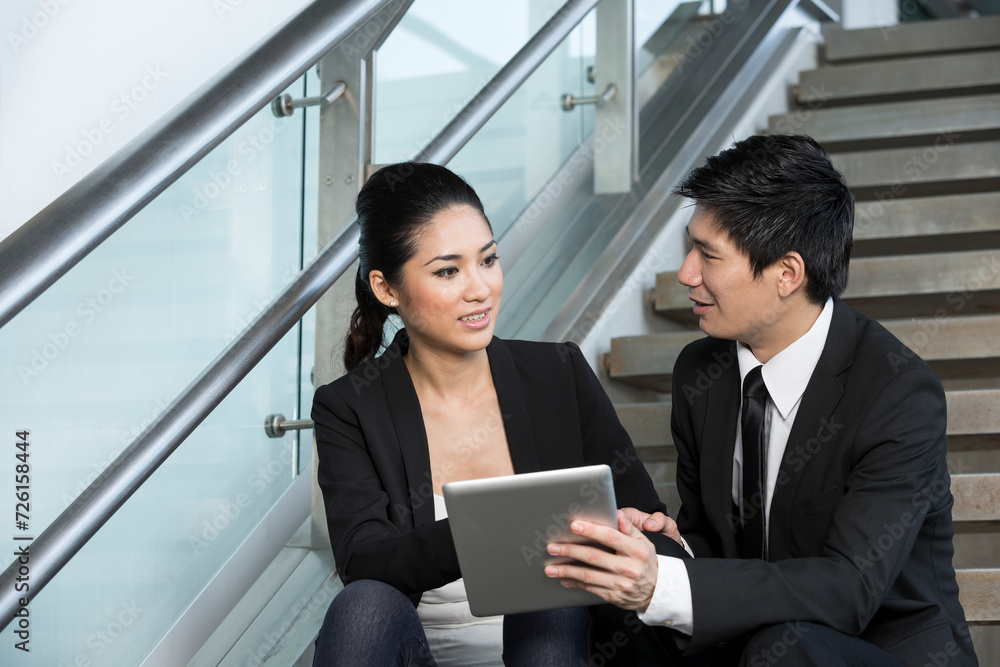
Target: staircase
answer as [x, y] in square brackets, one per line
[911, 116]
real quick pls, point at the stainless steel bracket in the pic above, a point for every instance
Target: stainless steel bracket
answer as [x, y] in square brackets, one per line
[283, 105]
[569, 102]
[276, 426]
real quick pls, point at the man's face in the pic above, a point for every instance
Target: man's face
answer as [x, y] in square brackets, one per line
[728, 300]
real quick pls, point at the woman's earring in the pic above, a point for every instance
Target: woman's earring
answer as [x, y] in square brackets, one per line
[392, 304]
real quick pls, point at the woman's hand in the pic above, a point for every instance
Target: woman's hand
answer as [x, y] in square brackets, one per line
[658, 522]
[625, 578]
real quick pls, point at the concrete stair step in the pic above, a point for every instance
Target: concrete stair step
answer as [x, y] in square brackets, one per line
[648, 425]
[871, 126]
[973, 419]
[912, 39]
[647, 361]
[955, 347]
[957, 283]
[941, 167]
[899, 80]
[979, 593]
[977, 502]
[927, 224]
[973, 424]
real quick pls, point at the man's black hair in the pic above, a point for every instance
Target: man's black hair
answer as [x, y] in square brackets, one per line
[775, 194]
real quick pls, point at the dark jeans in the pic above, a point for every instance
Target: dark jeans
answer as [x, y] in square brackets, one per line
[373, 623]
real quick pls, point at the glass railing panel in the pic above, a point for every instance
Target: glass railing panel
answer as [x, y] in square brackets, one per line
[437, 58]
[519, 150]
[307, 326]
[660, 23]
[515, 154]
[99, 355]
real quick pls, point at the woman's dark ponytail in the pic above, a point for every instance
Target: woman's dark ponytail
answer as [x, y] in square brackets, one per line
[365, 335]
[392, 207]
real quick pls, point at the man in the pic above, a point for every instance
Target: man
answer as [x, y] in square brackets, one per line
[814, 489]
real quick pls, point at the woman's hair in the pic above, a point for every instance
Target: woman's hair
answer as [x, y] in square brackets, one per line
[392, 207]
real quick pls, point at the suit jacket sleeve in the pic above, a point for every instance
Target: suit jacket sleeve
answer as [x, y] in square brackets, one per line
[366, 543]
[897, 477]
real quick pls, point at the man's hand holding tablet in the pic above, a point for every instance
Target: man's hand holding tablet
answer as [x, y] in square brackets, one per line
[625, 576]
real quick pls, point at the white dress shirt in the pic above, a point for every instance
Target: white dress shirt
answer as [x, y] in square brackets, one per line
[785, 376]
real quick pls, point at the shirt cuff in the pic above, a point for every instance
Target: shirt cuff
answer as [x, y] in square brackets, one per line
[671, 605]
[687, 548]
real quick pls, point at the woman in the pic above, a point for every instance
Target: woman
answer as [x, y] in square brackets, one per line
[444, 401]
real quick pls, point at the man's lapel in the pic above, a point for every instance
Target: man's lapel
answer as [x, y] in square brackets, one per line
[718, 447]
[810, 430]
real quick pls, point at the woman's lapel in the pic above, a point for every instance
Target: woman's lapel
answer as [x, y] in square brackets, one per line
[513, 409]
[411, 435]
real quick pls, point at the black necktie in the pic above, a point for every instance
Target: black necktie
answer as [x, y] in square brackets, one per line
[754, 447]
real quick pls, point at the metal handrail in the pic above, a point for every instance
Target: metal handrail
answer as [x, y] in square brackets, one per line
[67, 534]
[43, 249]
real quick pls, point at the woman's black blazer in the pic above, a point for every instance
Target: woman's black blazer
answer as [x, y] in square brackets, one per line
[374, 466]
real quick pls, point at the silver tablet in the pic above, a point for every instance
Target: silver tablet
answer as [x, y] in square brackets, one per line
[502, 525]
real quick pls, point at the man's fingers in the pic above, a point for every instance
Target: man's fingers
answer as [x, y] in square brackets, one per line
[598, 578]
[625, 578]
[655, 522]
[636, 517]
[627, 527]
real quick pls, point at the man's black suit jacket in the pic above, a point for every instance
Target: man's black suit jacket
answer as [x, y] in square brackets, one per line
[374, 466]
[860, 530]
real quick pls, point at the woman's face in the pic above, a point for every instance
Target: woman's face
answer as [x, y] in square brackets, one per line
[451, 287]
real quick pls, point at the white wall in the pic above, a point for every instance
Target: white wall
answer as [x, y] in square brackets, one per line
[80, 79]
[870, 13]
